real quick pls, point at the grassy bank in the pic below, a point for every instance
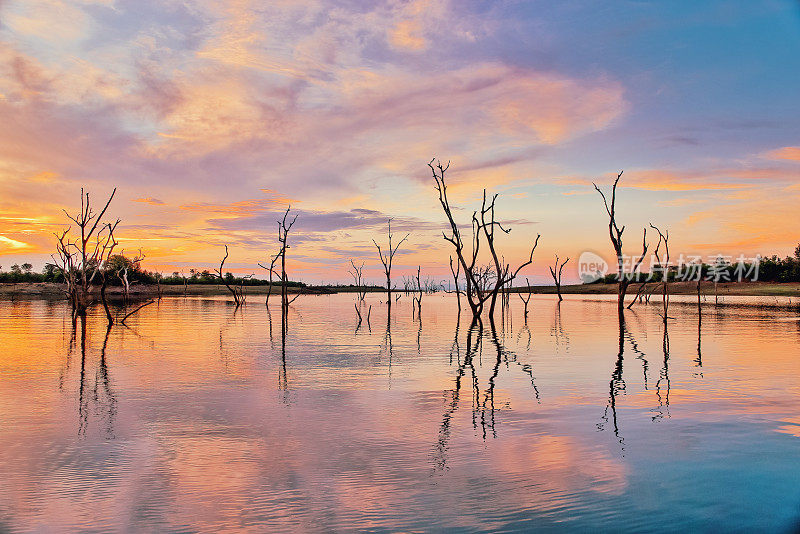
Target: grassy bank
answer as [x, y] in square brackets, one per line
[754, 289]
[745, 289]
[51, 290]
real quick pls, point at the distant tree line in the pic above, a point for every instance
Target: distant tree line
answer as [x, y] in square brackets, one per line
[770, 269]
[135, 275]
[775, 269]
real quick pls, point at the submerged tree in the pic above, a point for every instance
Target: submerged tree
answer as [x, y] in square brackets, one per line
[356, 271]
[271, 270]
[387, 258]
[456, 271]
[227, 278]
[81, 259]
[664, 268]
[527, 298]
[615, 233]
[418, 293]
[483, 283]
[555, 272]
[283, 240]
[123, 267]
[105, 270]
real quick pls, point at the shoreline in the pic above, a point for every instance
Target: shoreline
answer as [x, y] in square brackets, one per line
[740, 289]
[47, 290]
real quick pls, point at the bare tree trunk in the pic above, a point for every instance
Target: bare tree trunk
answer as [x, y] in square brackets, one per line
[387, 259]
[615, 233]
[149, 302]
[81, 259]
[483, 230]
[109, 317]
[524, 299]
[219, 272]
[283, 239]
[456, 272]
[555, 272]
[664, 269]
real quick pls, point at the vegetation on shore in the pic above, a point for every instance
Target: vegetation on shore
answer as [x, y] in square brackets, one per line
[55, 289]
[772, 269]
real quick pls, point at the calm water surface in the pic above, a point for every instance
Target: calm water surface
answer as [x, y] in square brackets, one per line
[202, 418]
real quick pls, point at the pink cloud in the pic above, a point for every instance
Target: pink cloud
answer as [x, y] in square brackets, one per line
[149, 200]
[790, 153]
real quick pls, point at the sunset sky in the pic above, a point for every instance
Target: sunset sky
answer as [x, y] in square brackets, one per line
[210, 117]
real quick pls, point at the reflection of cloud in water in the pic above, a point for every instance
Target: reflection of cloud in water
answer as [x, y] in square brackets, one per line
[203, 440]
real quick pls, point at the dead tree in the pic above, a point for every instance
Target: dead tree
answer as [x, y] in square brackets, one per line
[66, 262]
[555, 272]
[615, 233]
[81, 259]
[663, 267]
[419, 292]
[456, 271]
[524, 299]
[283, 240]
[271, 270]
[356, 273]
[640, 294]
[149, 302]
[105, 256]
[238, 297]
[482, 283]
[121, 272]
[358, 314]
[387, 259]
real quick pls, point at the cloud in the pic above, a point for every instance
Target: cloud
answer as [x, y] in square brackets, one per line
[789, 153]
[407, 34]
[201, 107]
[149, 200]
[310, 222]
[722, 179]
[239, 208]
[212, 101]
[12, 245]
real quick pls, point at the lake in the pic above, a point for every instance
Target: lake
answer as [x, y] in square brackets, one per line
[201, 417]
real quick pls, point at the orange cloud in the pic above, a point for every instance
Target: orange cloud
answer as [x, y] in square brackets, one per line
[12, 245]
[659, 180]
[722, 179]
[679, 202]
[790, 153]
[149, 200]
[242, 207]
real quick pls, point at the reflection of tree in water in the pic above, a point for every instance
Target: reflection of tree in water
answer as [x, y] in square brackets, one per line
[698, 362]
[525, 331]
[97, 397]
[639, 355]
[482, 402]
[616, 387]
[663, 384]
[283, 381]
[68, 361]
[386, 344]
[557, 330]
[223, 330]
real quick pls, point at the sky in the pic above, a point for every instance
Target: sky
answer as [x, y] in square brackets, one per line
[210, 118]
